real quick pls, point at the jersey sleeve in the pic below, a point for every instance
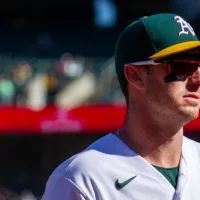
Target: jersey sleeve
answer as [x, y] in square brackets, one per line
[60, 188]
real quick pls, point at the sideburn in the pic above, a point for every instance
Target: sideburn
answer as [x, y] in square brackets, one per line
[149, 69]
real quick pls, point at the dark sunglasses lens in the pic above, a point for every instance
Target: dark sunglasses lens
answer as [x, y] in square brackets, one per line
[183, 68]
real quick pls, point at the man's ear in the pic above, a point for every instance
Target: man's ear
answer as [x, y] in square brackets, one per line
[133, 76]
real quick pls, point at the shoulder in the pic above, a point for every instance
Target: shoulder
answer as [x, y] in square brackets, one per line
[88, 161]
[191, 148]
[79, 172]
[192, 143]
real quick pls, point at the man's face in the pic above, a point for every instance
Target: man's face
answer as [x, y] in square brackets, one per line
[178, 100]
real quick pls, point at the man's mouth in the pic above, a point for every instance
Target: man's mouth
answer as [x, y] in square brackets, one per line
[194, 96]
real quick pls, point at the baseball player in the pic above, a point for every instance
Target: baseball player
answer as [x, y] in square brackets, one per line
[157, 65]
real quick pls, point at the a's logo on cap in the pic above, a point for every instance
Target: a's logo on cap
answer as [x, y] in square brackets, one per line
[185, 26]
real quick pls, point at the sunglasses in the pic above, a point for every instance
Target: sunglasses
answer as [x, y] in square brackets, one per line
[177, 67]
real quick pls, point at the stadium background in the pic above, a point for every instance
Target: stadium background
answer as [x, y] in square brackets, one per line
[58, 89]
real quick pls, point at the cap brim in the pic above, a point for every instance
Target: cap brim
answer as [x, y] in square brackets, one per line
[175, 49]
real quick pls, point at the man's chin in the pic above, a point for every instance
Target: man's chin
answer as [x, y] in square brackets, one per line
[191, 114]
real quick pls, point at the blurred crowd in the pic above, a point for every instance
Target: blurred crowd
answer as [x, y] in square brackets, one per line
[6, 194]
[68, 81]
[12, 85]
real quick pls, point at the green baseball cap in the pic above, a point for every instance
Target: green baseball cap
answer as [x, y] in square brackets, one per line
[154, 37]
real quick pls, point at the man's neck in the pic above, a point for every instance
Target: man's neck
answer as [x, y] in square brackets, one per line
[160, 147]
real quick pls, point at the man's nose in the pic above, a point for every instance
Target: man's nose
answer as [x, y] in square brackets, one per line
[195, 78]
